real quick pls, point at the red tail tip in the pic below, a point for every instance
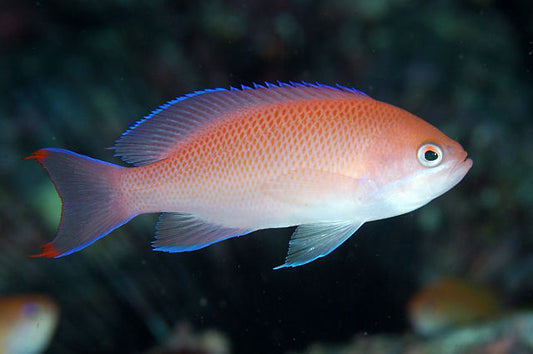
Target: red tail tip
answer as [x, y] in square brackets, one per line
[48, 250]
[38, 155]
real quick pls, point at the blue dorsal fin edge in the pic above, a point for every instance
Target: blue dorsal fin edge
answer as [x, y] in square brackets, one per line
[157, 135]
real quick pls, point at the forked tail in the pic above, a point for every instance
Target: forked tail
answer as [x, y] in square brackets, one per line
[91, 204]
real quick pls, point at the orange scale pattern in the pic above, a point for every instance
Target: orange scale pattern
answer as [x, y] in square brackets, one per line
[226, 163]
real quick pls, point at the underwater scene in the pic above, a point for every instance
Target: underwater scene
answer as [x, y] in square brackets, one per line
[303, 177]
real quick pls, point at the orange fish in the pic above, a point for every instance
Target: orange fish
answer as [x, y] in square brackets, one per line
[223, 163]
[27, 323]
[449, 303]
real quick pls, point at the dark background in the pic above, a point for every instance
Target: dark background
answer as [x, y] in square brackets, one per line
[76, 74]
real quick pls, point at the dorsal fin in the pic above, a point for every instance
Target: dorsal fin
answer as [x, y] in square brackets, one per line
[154, 138]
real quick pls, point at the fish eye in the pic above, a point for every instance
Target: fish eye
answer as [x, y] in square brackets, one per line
[30, 309]
[429, 155]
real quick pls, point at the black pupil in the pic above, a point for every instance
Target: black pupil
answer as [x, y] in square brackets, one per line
[431, 155]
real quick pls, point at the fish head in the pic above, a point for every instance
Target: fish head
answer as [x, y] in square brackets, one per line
[426, 163]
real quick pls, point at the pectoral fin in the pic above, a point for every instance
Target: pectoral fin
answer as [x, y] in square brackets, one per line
[313, 241]
[314, 187]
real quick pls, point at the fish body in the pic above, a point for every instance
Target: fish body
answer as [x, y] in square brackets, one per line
[27, 323]
[450, 302]
[223, 163]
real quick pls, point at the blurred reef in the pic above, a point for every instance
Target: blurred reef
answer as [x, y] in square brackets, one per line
[76, 75]
[511, 334]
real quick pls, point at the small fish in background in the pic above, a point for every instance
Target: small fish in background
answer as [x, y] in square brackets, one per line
[27, 323]
[449, 303]
[223, 163]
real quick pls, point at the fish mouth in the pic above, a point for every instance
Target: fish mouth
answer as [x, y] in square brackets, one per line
[459, 170]
[467, 162]
[463, 166]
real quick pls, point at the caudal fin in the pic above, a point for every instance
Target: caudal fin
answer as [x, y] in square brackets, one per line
[91, 207]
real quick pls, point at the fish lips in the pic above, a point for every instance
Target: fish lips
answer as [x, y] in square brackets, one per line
[461, 168]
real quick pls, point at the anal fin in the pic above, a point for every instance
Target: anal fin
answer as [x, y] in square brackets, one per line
[177, 232]
[312, 241]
